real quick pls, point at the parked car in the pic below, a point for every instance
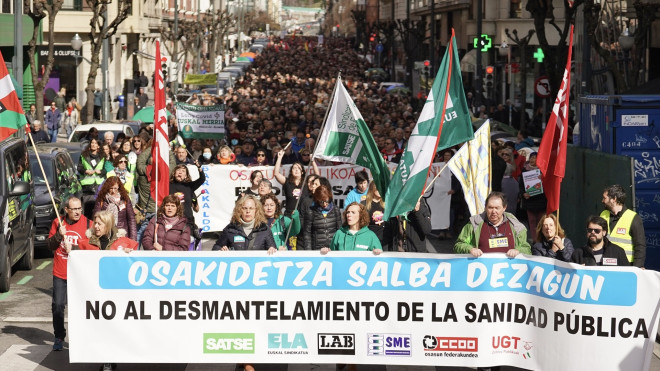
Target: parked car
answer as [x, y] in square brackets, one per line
[16, 196]
[62, 176]
[79, 134]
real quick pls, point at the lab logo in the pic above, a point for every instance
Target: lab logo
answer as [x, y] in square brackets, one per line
[229, 343]
[389, 345]
[336, 344]
[287, 343]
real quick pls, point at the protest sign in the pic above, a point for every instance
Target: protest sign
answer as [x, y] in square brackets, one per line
[200, 122]
[225, 183]
[354, 307]
[532, 182]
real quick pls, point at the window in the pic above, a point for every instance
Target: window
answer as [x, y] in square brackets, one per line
[72, 5]
[515, 9]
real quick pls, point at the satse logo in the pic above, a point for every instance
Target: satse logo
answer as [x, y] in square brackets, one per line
[389, 345]
[284, 343]
[450, 344]
[229, 343]
[336, 344]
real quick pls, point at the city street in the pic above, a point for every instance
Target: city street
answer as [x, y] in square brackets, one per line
[26, 336]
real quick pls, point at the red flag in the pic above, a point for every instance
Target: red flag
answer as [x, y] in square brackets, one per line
[551, 158]
[160, 148]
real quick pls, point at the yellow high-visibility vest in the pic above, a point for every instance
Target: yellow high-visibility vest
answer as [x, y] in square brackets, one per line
[620, 233]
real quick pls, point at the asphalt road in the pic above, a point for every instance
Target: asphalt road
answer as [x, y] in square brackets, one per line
[26, 332]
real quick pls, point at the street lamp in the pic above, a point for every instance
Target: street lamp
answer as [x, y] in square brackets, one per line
[76, 44]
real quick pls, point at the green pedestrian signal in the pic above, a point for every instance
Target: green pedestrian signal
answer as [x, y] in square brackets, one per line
[483, 43]
[538, 54]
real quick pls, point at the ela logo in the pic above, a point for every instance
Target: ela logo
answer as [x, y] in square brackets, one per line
[229, 343]
[285, 341]
[336, 344]
[389, 345]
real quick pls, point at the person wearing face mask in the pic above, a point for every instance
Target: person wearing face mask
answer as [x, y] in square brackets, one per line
[114, 198]
[206, 158]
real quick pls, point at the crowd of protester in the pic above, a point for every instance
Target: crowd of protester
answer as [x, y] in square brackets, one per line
[274, 116]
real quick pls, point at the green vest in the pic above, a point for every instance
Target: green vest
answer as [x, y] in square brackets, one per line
[620, 233]
[93, 179]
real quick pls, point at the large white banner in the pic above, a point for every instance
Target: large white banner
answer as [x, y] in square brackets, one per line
[355, 307]
[225, 183]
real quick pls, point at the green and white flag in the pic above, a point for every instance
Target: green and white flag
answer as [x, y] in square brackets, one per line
[346, 138]
[444, 122]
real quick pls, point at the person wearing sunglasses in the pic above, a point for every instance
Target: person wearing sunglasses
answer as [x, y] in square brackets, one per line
[599, 250]
[121, 171]
[261, 159]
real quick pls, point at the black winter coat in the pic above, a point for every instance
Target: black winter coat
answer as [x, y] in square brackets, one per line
[584, 255]
[412, 238]
[188, 189]
[234, 237]
[319, 229]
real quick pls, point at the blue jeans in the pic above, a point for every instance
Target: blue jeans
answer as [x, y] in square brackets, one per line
[143, 226]
[53, 135]
[59, 303]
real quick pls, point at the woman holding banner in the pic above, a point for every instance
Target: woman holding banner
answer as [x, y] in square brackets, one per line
[551, 240]
[173, 233]
[248, 228]
[355, 234]
[374, 206]
[278, 223]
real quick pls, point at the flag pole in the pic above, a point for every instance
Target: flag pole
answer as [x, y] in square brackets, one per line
[472, 177]
[434, 179]
[444, 108]
[304, 181]
[41, 166]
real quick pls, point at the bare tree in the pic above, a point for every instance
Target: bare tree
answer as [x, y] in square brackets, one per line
[412, 34]
[522, 45]
[218, 26]
[101, 29]
[40, 9]
[555, 58]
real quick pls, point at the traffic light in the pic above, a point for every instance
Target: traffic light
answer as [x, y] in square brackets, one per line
[489, 78]
[427, 65]
[164, 68]
[174, 71]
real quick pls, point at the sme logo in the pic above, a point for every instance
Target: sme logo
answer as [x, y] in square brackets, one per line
[226, 343]
[450, 344]
[389, 345]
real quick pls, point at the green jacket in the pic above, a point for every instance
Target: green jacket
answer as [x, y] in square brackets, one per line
[363, 240]
[469, 237]
[146, 202]
[281, 226]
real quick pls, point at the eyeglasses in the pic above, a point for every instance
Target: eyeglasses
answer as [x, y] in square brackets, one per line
[123, 161]
[75, 208]
[261, 155]
[594, 230]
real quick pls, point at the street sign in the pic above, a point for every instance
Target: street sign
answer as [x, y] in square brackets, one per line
[542, 87]
[379, 48]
